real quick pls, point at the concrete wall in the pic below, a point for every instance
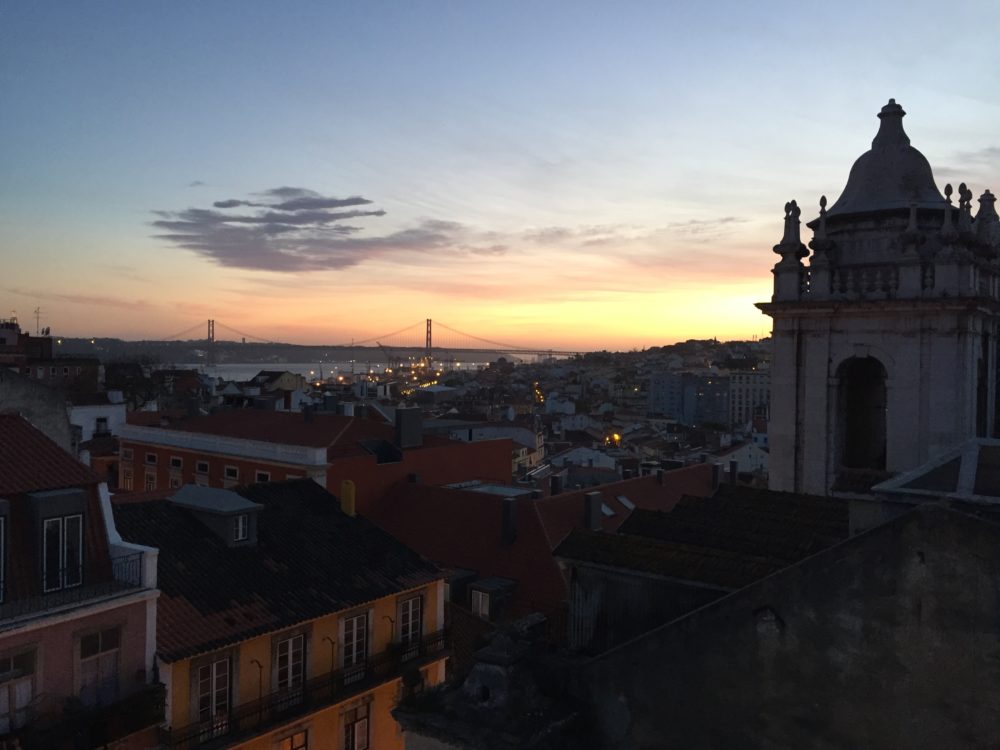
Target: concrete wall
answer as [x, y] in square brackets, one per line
[42, 405]
[887, 640]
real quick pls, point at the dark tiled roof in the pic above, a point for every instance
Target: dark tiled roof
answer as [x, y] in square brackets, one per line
[783, 527]
[30, 461]
[712, 567]
[310, 559]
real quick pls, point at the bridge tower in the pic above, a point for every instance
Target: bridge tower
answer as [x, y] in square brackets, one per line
[211, 342]
[428, 342]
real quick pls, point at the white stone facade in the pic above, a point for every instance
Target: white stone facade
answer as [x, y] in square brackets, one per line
[885, 342]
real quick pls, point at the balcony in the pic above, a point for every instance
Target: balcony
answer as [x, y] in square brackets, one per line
[257, 716]
[79, 727]
[97, 579]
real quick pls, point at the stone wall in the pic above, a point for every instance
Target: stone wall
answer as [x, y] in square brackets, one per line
[887, 640]
[42, 405]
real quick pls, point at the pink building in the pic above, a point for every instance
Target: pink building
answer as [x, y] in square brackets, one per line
[77, 606]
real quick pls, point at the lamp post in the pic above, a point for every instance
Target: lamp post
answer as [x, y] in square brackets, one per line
[260, 686]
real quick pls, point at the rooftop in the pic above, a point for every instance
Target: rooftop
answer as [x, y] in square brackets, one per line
[310, 560]
[891, 175]
[32, 462]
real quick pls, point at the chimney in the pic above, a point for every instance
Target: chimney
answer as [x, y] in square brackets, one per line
[626, 473]
[347, 497]
[308, 413]
[508, 532]
[409, 427]
[592, 511]
[733, 470]
[348, 408]
[659, 476]
[716, 473]
[555, 484]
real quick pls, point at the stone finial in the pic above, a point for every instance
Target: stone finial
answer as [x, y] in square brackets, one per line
[964, 208]
[890, 129]
[987, 222]
[819, 242]
[791, 242]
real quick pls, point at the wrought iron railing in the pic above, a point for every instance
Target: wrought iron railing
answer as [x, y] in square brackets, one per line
[79, 583]
[256, 716]
[80, 726]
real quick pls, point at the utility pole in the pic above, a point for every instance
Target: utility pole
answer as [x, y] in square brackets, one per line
[427, 345]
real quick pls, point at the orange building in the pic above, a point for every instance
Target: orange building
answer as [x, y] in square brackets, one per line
[232, 448]
[285, 621]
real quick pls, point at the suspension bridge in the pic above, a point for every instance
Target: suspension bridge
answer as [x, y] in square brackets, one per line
[432, 339]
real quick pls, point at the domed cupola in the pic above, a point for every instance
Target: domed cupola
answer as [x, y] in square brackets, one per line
[892, 175]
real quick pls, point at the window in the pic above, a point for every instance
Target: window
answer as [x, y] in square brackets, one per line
[126, 479]
[52, 370]
[174, 482]
[356, 728]
[151, 459]
[126, 454]
[233, 472]
[99, 667]
[150, 481]
[65, 371]
[201, 467]
[176, 462]
[262, 476]
[409, 627]
[240, 525]
[213, 698]
[101, 425]
[355, 642]
[481, 604]
[62, 555]
[17, 690]
[298, 741]
[289, 663]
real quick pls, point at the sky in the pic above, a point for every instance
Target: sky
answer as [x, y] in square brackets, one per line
[568, 175]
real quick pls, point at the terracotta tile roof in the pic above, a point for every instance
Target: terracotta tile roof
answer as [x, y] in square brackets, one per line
[783, 527]
[463, 528]
[563, 512]
[310, 559]
[30, 461]
[341, 435]
[690, 563]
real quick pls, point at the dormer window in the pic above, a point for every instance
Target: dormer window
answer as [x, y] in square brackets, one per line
[62, 556]
[241, 526]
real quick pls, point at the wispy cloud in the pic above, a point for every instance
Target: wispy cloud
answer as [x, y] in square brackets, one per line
[288, 229]
[196, 183]
[84, 299]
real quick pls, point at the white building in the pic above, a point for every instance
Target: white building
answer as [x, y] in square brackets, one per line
[886, 339]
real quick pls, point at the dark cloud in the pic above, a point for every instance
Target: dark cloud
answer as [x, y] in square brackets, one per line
[294, 229]
[196, 183]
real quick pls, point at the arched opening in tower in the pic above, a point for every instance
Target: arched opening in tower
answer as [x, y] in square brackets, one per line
[862, 410]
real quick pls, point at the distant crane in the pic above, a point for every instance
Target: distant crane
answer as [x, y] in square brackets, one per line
[392, 361]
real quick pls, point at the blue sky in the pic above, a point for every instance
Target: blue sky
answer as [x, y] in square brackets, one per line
[560, 173]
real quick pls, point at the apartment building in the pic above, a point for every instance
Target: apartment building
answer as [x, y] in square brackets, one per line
[231, 448]
[285, 619]
[77, 607]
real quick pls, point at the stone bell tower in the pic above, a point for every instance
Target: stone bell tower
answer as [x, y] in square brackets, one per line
[886, 337]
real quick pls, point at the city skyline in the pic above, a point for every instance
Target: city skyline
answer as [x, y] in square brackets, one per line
[572, 176]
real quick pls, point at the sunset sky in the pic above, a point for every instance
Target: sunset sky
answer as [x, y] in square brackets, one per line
[557, 174]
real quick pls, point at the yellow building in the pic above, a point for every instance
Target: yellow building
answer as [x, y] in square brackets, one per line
[285, 622]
